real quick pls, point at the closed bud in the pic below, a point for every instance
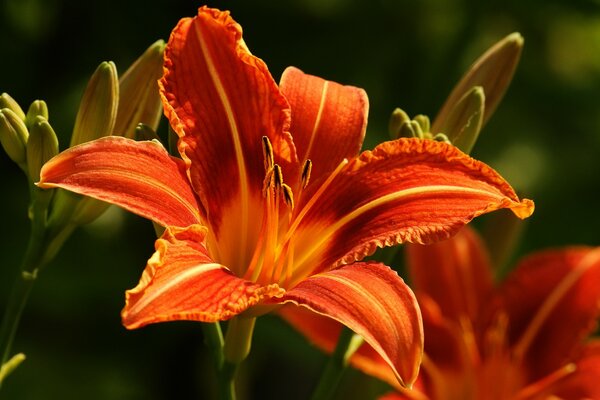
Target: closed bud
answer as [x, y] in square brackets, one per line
[8, 102]
[493, 71]
[139, 100]
[98, 108]
[37, 108]
[41, 146]
[397, 119]
[423, 121]
[144, 132]
[14, 136]
[465, 120]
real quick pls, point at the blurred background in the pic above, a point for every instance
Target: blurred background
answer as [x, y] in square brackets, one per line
[544, 139]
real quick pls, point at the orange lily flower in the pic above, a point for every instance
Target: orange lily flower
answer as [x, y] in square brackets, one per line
[249, 227]
[524, 339]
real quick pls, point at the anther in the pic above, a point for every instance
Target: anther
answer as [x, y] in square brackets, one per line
[268, 181]
[288, 196]
[267, 153]
[277, 177]
[306, 173]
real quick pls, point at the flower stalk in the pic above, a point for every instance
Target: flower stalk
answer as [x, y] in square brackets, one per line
[348, 343]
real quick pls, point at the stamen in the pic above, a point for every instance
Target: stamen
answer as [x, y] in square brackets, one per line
[267, 153]
[306, 170]
[277, 177]
[288, 196]
[545, 384]
[267, 182]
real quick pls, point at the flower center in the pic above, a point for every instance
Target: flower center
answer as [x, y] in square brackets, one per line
[273, 257]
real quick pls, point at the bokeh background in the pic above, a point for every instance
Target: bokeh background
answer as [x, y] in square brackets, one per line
[544, 138]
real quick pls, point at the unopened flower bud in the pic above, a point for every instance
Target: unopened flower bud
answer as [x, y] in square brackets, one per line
[144, 132]
[37, 108]
[14, 136]
[465, 120]
[397, 118]
[8, 102]
[493, 71]
[41, 146]
[98, 108]
[139, 100]
[423, 121]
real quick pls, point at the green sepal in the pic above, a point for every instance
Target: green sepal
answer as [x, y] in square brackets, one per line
[465, 120]
[14, 136]
[98, 108]
[37, 108]
[139, 99]
[8, 102]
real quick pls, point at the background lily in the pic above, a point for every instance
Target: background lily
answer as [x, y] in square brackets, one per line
[526, 338]
[255, 219]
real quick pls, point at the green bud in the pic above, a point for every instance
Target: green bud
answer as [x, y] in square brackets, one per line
[423, 121]
[397, 119]
[37, 108]
[465, 120]
[411, 129]
[41, 146]
[144, 132]
[493, 71]
[14, 136]
[139, 100]
[98, 108]
[8, 102]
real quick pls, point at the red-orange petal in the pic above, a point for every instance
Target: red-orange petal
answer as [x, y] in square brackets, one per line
[407, 190]
[553, 303]
[138, 176]
[221, 100]
[329, 120]
[455, 273]
[583, 382]
[373, 301]
[181, 282]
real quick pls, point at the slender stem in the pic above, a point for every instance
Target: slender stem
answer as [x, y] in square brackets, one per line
[347, 344]
[213, 338]
[20, 293]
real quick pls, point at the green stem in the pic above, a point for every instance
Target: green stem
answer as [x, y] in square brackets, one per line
[20, 293]
[213, 338]
[347, 344]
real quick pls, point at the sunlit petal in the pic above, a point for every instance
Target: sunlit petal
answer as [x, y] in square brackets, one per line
[328, 120]
[221, 101]
[181, 282]
[138, 176]
[408, 190]
[374, 302]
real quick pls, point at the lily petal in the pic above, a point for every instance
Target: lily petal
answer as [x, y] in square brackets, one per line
[561, 288]
[181, 282]
[373, 301]
[329, 120]
[138, 176]
[407, 190]
[456, 274]
[583, 382]
[221, 101]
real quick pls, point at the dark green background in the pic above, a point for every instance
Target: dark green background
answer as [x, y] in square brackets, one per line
[544, 139]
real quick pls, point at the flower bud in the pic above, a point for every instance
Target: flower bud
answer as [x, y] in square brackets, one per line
[8, 102]
[98, 108]
[41, 146]
[139, 100]
[144, 132]
[14, 136]
[397, 118]
[493, 71]
[465, 120]
[37, 108]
